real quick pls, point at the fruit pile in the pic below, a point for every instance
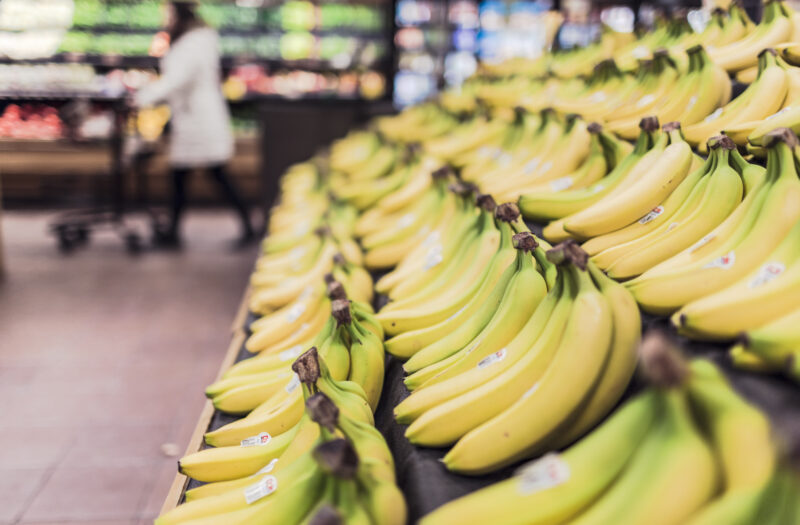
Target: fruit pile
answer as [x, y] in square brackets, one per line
[307, 397]
[687, 449]
[518, 344]
[31, 122]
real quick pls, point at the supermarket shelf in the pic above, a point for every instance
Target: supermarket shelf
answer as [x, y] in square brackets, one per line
[420, 472]
[111, 61]
[251, 31]
[60, 95]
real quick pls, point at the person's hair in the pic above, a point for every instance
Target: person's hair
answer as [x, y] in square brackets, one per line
[186, 19]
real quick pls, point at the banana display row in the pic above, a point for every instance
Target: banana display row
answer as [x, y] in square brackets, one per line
[305, 449]
[732, 38]
[332, 467]
[698, 239]
[687, 449]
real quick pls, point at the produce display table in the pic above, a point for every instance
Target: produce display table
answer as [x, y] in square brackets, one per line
[420, 473]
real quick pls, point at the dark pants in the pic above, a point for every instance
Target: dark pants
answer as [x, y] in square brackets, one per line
[220, 177]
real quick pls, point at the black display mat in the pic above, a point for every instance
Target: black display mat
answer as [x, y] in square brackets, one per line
[428, 485]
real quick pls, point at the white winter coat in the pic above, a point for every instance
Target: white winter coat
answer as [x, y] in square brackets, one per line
[190, 84]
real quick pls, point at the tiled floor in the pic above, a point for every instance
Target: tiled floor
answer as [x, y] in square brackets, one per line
[103, 359]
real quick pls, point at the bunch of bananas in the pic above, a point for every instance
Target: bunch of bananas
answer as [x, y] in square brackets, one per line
[512, 379]
[541, 152]
[334, 464]
[688, 449]
[772, 347]
[739, 245]
[699, 203]
[264, 389]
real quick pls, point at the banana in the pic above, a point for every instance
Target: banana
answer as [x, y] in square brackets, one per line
[468, 330]
[444, 412]
[303, 332]
[712, 200]
[539, 206]
[424, 264]
[230, 463]
[670, 285]
[554, 398]
[762, 98]
[464, 307]
[739, 432]
[565, 156]
[618, 210]
[523, 294]
[472, 233]
[303, 475]
[621, 363]
[684, 192]
[603, 154]
[761, 296]
[775, 28]
[556, 487]
[366, 361]
[674, 459]
[773, 345]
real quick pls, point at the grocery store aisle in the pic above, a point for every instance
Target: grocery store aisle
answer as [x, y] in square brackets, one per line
[103, 361]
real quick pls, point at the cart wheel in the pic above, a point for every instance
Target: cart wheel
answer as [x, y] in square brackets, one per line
[133, 243]
[81, 235]
[65, 242]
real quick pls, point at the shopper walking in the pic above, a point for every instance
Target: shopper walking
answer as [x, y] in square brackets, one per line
[201, 133]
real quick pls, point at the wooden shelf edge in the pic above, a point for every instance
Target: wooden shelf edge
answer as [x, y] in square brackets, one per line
[241, 313]
[175, 492]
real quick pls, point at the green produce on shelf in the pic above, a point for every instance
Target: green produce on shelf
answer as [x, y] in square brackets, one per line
[298, 46]
[88, 12]
[298, 15]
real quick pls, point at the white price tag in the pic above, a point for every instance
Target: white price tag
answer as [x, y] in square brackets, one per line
[645, 100]
[531, 165]
[767, 273]
[295, 312]
[713, 116]
[561, 184]
[261, 489]
[293, 384]
[432, 260]
[691, 103]
[702, 242]
[544, 473]
[724, 261]
[291, 353]
[257, 441]
[492, 359]
[406, 220]
[432, 238]
[598, 96]
[652, 214]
